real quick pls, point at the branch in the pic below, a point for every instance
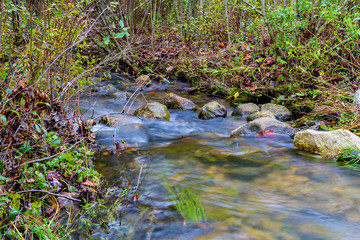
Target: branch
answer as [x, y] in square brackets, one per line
[47, 192]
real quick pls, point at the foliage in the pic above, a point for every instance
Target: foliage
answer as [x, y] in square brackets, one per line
[44, 152]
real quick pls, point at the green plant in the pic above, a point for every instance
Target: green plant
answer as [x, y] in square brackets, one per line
[349, 157]
[187, 203]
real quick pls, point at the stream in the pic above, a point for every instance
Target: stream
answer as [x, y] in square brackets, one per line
[250, 188]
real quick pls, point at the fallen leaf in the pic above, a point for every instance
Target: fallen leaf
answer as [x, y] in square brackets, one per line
[132, 148]
[91, 122]
[136, 197]
[221, 45]
[266, 134]
[236, 95]
[52, 175]
[89, 183]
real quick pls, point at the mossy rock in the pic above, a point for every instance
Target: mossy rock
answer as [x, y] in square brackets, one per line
[326, 142]
[260, 114]
[108, 120]
[245, 109]
[212, 110]
[153, 110]
[174, 101]
[280, 112]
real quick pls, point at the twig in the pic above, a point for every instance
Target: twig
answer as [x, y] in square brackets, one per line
[47, 192]
[47, 158]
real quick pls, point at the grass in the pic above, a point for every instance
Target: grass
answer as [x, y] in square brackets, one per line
[187, 203]
[348, 157]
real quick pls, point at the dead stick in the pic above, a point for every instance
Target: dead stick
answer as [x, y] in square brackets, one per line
[47, 192]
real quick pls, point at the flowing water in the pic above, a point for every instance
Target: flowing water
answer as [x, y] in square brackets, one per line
[249, 188]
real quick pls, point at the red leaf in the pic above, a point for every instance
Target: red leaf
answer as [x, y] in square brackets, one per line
[136, 197]
[266, 134]
[132, 148]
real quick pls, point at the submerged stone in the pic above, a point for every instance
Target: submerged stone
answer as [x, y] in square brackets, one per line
[122, 96]
[326, 142]
[174, 101]
[153, 110]
[261, 125]
[212, 110]
[107, 89]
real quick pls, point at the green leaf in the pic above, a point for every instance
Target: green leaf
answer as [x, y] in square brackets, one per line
[119, 35]
[3, 121]
[37, 128]
[106, 40]
[121, 23]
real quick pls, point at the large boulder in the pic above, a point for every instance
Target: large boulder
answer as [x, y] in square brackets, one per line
[244, 110]
[212, 110]
[260, 114]
[153, 110]
[261, 125]
[326, 142]
[280, 112]
[172, 100]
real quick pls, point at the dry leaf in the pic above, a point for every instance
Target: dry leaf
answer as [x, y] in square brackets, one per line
[89, 183]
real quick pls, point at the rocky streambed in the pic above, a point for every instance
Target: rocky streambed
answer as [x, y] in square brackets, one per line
[250, 186]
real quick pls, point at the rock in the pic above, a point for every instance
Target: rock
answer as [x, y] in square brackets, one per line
[212, 110]
[123, 96]
[357, 99]
[326, 142]
[280, 112]
[172, 100]
[107, 120]
[260, 114]
[118, 120]
[142, 80]
[107, 89]
[312, 124]
[263, 124]
[244, 110]
[153, 110]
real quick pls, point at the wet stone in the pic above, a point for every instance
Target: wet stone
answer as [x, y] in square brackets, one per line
[280, 112]
[153, 110]
[244, 110]
[174, 101]
[260, 114]
[212, 110]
